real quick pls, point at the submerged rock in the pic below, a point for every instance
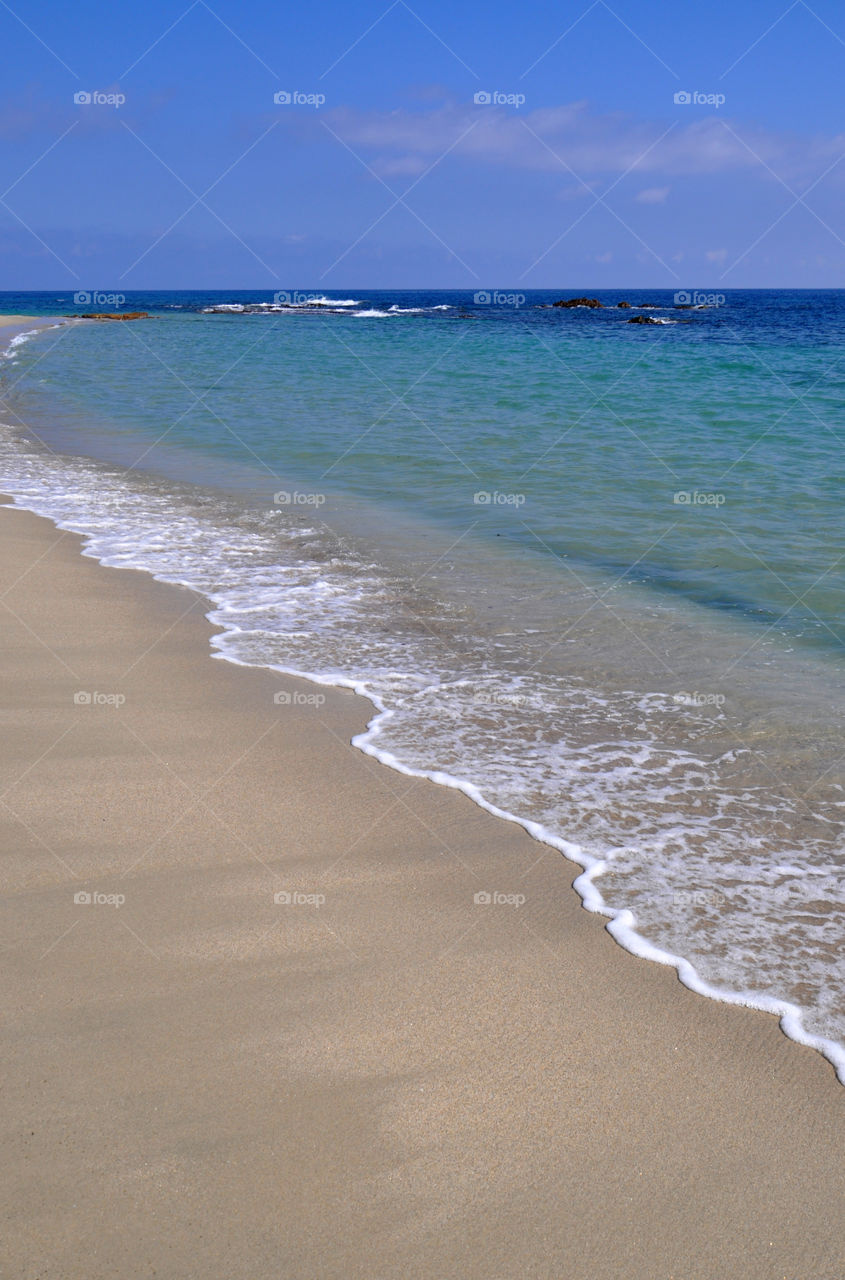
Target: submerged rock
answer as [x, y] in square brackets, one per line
[112, 315]
[642, 320]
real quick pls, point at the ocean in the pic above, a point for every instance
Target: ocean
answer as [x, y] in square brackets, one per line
[588, 571]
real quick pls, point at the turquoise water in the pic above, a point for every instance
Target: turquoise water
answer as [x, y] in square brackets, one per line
[592, 423]
[591, 569]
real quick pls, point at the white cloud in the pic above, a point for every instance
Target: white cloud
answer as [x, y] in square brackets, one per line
[579, 191]
[652, 195]
[716, 255]
[574, 139]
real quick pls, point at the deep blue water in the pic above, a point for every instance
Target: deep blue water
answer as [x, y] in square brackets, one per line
[585, 426]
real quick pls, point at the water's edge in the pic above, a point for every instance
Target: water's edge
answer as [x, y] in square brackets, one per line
[621, 922]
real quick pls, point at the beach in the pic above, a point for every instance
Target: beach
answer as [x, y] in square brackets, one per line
[273, 1009]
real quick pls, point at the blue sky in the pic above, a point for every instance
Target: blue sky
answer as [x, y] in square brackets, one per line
[581, 170]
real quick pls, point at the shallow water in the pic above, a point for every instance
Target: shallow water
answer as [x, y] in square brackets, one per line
[592, 570]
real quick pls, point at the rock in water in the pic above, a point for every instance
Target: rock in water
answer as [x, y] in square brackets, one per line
[577, 302]
[112, 315]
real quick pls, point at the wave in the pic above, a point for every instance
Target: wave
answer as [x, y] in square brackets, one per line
[278, 599]
[322, 301]
[415, 311]
[10, 351]
[287, 600]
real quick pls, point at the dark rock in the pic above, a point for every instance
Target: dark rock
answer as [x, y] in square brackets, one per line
[623, 304]
[642, 320]
[577, 302]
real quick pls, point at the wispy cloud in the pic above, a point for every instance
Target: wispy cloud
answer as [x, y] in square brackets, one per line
[589, 142]
[652, 195]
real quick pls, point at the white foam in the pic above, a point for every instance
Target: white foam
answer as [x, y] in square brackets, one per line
[622, 923]
[285, 614]
[10, 351]
[323, 301]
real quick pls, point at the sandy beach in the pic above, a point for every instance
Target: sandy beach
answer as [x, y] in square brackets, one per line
[257, 1025]
[19, 321]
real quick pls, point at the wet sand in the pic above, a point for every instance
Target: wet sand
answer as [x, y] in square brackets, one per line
[375, 1076]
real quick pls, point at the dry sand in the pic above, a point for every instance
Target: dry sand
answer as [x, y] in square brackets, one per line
[398, 1083]
[7, 321]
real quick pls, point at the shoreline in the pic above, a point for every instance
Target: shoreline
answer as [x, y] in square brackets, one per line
[621, 921]
[430, 1073]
